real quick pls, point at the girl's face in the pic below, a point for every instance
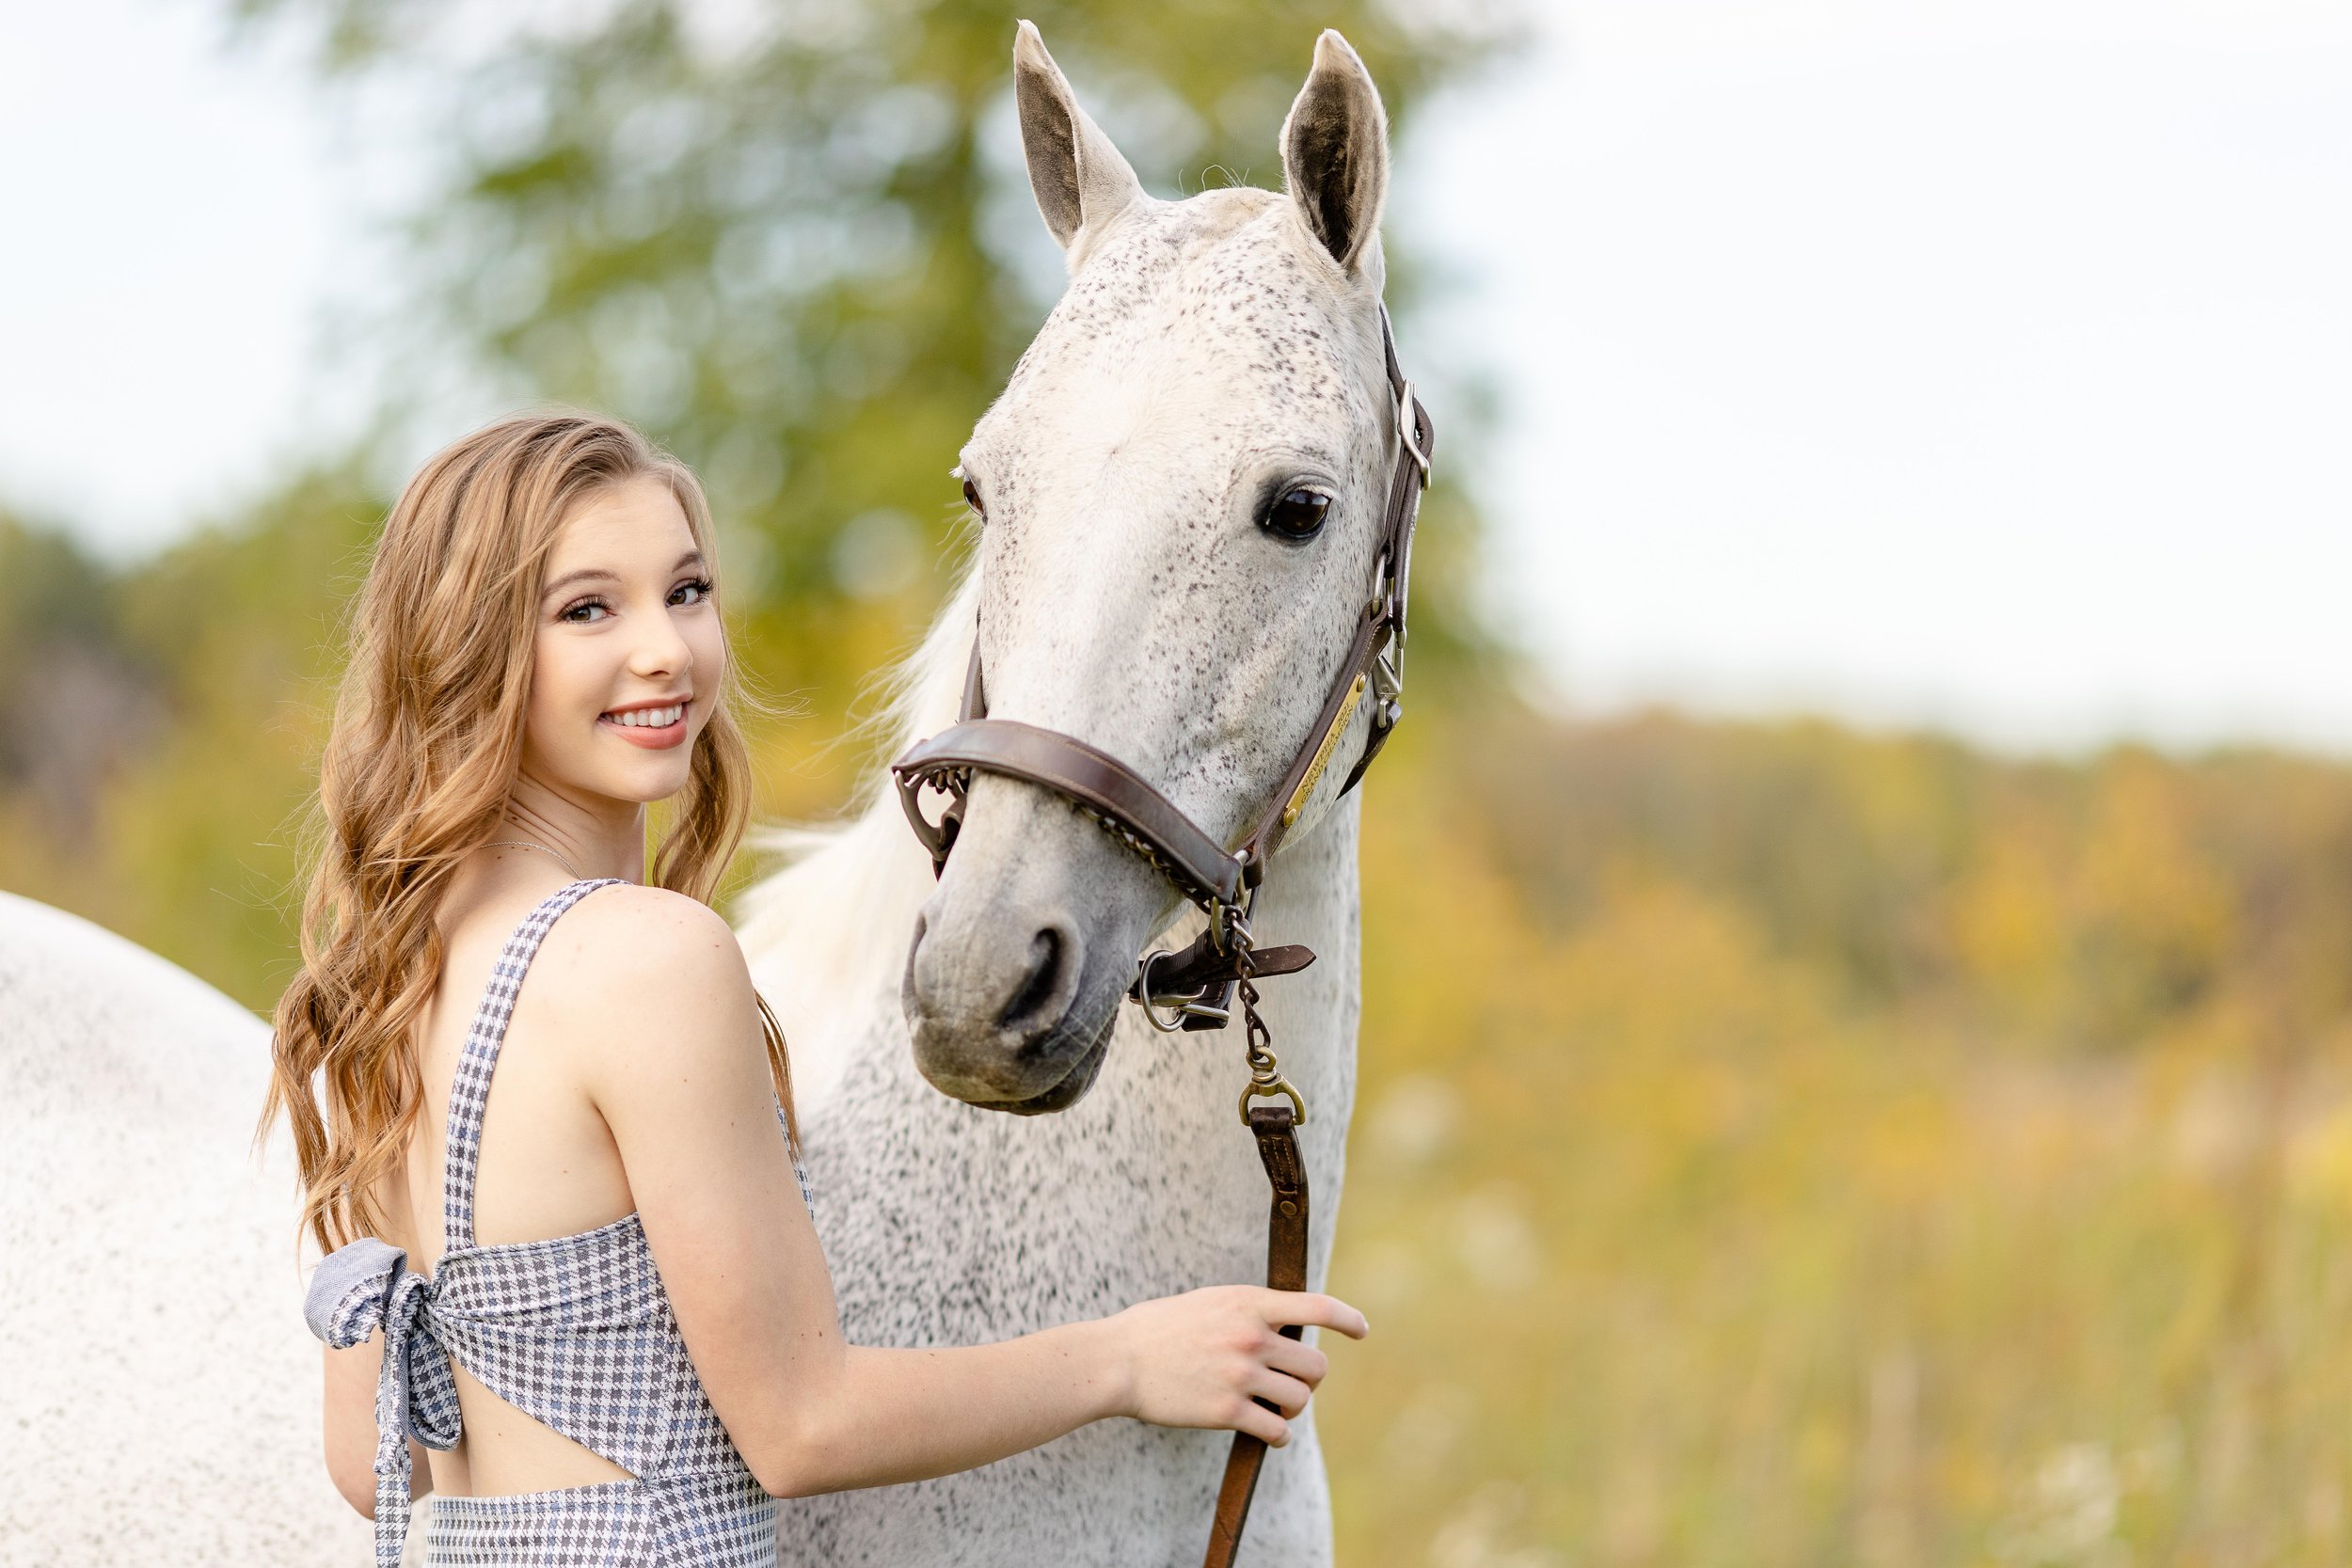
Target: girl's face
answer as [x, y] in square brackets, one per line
[629, 650]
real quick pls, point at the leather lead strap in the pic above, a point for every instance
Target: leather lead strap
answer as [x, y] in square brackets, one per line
[1285, 1270]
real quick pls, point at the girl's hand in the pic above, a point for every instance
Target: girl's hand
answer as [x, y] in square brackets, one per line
[1203, 1358]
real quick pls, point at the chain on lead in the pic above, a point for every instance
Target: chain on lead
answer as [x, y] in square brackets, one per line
[1265, 1071]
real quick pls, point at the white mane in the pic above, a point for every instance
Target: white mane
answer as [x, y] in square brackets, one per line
[828, 929]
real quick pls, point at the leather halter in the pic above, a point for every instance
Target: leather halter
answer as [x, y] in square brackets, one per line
[1204, 979]
[1203, 870]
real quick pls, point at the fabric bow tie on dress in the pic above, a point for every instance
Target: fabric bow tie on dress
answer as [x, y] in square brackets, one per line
[360, 1288]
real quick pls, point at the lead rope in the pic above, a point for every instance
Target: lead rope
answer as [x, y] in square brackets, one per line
[1274, 1127]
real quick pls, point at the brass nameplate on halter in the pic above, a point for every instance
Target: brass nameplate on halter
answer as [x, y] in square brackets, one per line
[1322, 753]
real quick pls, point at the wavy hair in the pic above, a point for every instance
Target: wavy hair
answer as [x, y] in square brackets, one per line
[423, 750]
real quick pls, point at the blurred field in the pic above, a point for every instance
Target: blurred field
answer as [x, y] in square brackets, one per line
[1778, 1144]
[1783, 1145]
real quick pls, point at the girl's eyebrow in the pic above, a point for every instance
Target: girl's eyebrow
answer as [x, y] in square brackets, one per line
[691, 558]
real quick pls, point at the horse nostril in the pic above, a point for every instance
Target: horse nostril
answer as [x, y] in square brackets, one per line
[1041, 990]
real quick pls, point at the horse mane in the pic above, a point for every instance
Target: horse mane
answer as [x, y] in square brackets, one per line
[830, 926]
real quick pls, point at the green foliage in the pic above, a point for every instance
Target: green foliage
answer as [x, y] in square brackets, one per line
[799, 249]
[74, 702]
[183, 781]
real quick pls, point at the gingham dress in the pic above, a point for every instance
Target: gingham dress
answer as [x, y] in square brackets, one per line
[575, 1330]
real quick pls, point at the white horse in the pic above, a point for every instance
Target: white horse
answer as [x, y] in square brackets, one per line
[159, 1397]
[1210, 356]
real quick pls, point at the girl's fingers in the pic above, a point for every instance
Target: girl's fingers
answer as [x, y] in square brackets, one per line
[1303, 1362]
[1313, 1309]
[1287, 1392]
[1265, 1425]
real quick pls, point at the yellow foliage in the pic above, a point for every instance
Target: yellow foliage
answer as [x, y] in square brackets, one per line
[1703, 1223]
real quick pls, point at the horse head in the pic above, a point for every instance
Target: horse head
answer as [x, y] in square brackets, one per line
[1180, 494]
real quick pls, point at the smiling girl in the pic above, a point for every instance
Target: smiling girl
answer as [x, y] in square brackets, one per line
[543, 1119]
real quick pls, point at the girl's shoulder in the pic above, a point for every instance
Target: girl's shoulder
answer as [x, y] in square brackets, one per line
[628, 959]
[625, 930]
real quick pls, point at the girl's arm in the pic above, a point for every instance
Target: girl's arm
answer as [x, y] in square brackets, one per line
[662, 1005]
[350, 1425]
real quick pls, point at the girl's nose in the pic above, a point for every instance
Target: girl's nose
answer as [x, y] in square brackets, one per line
[660, 650]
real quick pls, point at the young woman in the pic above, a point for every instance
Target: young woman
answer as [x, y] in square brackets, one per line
[585, 1283]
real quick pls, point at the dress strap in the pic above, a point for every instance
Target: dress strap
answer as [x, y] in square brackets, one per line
[471, 1091]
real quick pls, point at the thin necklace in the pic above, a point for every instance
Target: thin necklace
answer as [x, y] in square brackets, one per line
[526, 844]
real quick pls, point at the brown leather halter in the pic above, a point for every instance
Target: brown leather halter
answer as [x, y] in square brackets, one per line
[1201, 982]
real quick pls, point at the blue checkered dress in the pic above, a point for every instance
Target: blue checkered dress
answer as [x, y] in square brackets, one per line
[574, 1330]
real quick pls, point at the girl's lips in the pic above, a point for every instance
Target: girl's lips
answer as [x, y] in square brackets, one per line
[653, 739]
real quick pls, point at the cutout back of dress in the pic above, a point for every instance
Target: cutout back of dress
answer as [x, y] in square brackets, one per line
[574, 1331]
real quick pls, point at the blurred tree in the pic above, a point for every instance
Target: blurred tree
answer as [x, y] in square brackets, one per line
[74, 700]
[160, 724]
[795, 243]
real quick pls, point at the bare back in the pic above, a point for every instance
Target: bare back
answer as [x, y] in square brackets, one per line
[549, 1165]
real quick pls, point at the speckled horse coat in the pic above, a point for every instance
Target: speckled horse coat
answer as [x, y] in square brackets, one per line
[1208, 352]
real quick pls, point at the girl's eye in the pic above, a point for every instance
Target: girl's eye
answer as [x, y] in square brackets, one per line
[699, 588]
[573, 612]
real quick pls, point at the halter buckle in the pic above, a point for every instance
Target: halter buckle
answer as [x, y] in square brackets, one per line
[1185, 1007]
[1407, 426]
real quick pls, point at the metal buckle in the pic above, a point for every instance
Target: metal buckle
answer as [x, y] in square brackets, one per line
[1185, 1007]
[1382, 605]
[1387, 685]
[1148, 998]
[1406, 426]
[1256, 1090]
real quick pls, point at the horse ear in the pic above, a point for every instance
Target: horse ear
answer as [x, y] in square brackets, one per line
[1080, 180]
[1335, 152]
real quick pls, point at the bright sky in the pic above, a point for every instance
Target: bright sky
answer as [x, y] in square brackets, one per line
[172, 214]
[1968, 362]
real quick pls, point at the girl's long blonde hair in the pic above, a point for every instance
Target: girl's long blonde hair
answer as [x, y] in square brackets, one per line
[426, 740]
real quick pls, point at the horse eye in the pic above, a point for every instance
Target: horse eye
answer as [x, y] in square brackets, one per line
[971, 499]
[1298, 514]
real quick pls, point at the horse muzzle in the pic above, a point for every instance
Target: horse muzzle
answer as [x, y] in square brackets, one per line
[1010, 1004]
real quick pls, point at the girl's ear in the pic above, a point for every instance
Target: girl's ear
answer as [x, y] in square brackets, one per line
[1335, 154]
[1081, 182]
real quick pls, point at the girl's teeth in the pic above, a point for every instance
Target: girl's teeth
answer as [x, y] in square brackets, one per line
[651, 718]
